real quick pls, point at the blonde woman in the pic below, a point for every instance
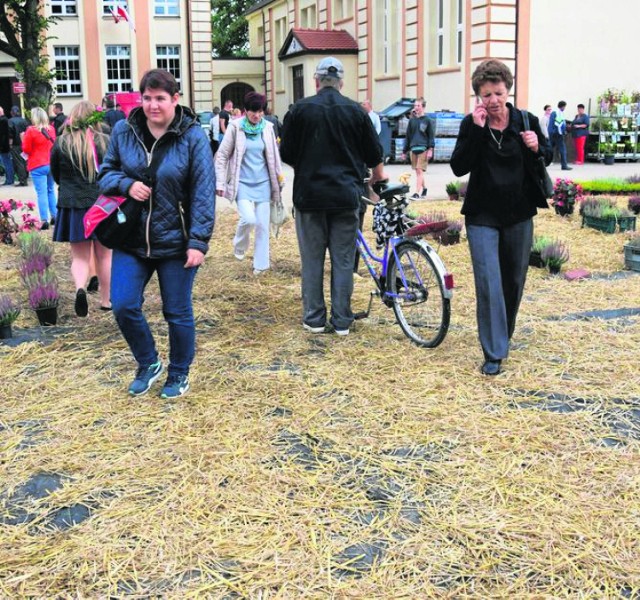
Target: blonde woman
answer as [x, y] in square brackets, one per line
[75, 161]
[37, 142]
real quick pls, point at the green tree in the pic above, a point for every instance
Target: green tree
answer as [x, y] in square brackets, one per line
[25, 30]
[229, 31]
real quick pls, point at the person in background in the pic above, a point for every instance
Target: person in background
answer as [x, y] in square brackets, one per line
[160, 148]
[580, 133]
[502, 198]
[214, 130]
[236, 113]
[544, 121]
[17, 126]
[375, 119]
[112, 115]
[557, 131]
[328, 139]
[58, 118]
[36, 144]
[75, 160]
[273, 119]
[225, 116]
[249, 161]
[5, 148]
[419, 141]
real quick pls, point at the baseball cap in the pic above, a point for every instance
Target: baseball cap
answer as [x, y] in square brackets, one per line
[330, 67]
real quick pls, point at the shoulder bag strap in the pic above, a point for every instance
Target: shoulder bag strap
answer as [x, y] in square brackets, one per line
[525, 119]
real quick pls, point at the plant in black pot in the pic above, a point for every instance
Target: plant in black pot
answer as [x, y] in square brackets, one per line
[555, 255]
[540, 242]
[634, 205]
[565, 195]
[38, 276]
[9, 312]
[453, 190]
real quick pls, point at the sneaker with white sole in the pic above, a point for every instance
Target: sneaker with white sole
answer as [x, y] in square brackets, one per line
[145, 378]
[342, 332]
[312, 329]
[239, 255]
[175, 386]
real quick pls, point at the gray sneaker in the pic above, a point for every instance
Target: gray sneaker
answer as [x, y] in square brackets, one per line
[145, 378]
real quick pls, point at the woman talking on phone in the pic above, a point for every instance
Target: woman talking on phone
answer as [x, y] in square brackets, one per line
[502, 198]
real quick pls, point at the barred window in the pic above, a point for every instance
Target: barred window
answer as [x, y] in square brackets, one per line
[118, 68]
[67, 69]
[64, 7]
[168, 58]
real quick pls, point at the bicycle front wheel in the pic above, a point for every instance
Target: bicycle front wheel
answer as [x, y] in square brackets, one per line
[417, 291]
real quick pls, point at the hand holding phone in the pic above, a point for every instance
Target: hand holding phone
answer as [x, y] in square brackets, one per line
[479, 113]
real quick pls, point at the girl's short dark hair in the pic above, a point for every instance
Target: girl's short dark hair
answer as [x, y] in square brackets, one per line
[159, 79]
[255, 101]
[491, 71]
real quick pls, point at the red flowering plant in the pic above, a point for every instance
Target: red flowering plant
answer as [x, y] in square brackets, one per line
[565, 195]
[12, 223]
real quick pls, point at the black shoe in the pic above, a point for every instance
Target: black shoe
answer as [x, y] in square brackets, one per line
[53, 220]
[44, 225]
[81, 306]
[94, 285]
[416, 196]
[490, 367]
[567, 168]
[424, 193]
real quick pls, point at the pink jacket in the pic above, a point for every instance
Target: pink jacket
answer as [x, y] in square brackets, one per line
[229, 159]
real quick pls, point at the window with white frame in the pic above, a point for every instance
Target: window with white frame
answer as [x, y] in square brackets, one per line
[63, 7]
[440, 32]
[168, 58]
[166, 8]
[308, 17]
[342, 9]
[278, 68]
[459, 48]
[107, 5]
[67, 69]
[118, 68]
[387, 28]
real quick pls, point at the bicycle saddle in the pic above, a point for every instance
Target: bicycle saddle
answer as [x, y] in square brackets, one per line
[386, 191]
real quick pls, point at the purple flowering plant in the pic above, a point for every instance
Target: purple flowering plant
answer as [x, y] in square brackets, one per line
[565, 194]
[9, 310]
[10, 225]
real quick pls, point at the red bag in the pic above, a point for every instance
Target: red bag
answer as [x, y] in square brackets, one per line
[103, 207]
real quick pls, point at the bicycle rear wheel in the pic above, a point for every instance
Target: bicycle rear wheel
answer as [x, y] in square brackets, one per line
[420, 305]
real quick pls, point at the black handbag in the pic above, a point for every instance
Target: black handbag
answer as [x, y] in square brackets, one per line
[112, 219]
[541, 176]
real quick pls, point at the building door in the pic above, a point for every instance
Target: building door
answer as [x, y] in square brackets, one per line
[298, 82]
[236, 93]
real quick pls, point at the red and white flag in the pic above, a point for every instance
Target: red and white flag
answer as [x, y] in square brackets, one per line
[120, 12]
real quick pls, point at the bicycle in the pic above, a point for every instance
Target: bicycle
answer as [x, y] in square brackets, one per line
[410, 277]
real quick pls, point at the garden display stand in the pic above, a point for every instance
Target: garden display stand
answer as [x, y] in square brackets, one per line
[631, 258]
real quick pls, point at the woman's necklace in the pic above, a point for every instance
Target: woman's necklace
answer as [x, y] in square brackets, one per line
[495, 140]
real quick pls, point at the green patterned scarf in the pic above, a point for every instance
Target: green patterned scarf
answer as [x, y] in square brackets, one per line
[250, 129]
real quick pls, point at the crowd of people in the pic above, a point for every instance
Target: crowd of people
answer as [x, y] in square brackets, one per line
[159, 156]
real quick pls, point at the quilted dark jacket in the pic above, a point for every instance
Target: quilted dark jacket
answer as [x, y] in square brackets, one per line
[181, 211]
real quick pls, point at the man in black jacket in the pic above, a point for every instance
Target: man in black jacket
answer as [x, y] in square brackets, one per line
[328, 139]
[17, 126]
[5, 148]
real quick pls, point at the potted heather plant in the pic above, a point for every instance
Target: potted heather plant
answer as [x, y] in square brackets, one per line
[540, 242]
[453, 190]
[38, 276]
[632, 253]
[634, 205]
[555, 255]
[450, 234]
[9, 312]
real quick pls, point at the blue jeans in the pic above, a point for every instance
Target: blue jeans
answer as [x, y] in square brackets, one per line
[46, 192]
[129, 277]
[8, 167]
